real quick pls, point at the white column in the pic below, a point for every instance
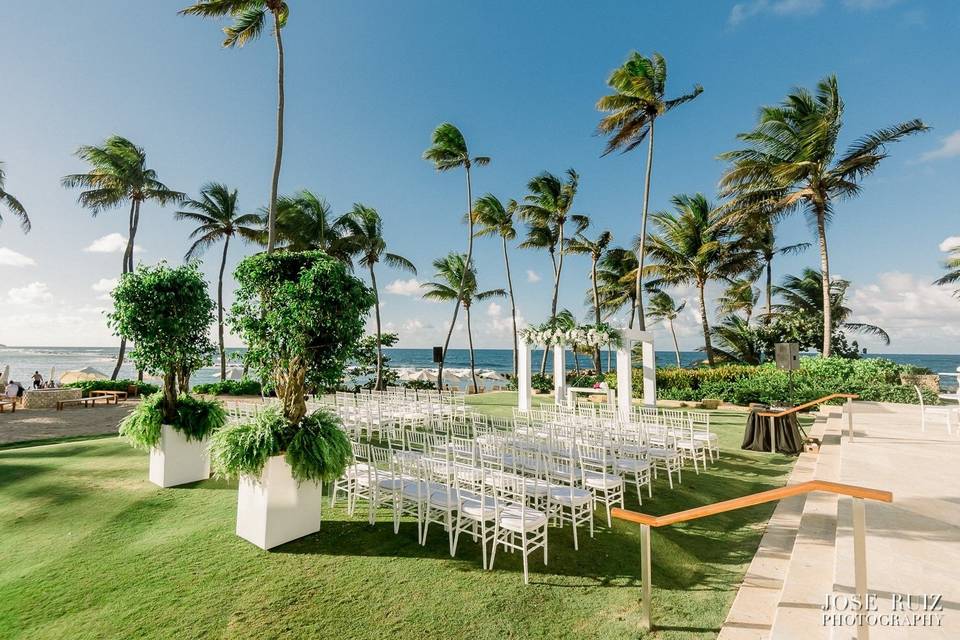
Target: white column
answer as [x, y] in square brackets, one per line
[559, 373]
[624, 379]
[649, 373]
[524, 390]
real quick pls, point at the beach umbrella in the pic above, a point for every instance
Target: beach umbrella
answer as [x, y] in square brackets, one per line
[53, 372]
[82, 375]
[423, 375]
[234, 373]
[492, 375]
[5, 378]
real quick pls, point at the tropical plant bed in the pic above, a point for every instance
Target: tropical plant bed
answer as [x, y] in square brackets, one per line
[93, 550]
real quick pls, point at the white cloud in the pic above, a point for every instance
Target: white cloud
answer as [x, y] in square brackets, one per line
[104, 286]
[31, 294]
[744, 10]
[411, 287]
[533, 276]
[868, 5]
[949, 148]
[10, 258]
[110, 243]
[494, 310]
[949, 243]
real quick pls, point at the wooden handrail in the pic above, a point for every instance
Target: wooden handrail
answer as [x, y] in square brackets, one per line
[812, 403]
[751, 500]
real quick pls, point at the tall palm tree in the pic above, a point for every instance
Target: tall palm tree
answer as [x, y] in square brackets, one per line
[663, 308]
[637, 101]
[595, 248]
[455, 281]
[740, 296]
[10, 202]
[952, 265]
[737, 341]
[363, 237]
[693, 246]
[448, 150]
[217, 218]
[801, 295]
[249, 18]
[616, 275]
[119, 174]
[760, 235]
[305, 222]
[789, 164]
[496, 219]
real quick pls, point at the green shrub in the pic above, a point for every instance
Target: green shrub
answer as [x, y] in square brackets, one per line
[196, 419]
[316, 449]
[542, 382]
[419, 385]
[243, 387]
[143, 388]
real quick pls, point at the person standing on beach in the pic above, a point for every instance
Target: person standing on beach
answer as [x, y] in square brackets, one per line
[37, 380]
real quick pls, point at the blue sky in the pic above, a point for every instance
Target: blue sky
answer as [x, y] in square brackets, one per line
[366, 84]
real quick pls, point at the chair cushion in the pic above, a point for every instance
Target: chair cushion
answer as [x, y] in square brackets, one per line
[570, 496]
[518, 518]
[633, 465]
[597, 480]
[476, 509]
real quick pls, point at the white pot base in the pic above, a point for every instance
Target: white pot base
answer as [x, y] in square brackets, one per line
[177, 461]
[273, 509]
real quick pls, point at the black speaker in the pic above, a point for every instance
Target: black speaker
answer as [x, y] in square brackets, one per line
[437, 354]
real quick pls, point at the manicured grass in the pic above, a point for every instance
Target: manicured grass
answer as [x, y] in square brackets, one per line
[92, 550]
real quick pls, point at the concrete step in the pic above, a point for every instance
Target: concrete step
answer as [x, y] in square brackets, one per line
[810, 571]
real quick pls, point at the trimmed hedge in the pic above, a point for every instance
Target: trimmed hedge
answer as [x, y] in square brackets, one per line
[143, 388]
[243, 387]
[873, 379]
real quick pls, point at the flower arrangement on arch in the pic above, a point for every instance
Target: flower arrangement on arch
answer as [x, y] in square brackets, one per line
[548, 334]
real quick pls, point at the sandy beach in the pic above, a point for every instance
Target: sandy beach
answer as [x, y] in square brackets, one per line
[43, 424]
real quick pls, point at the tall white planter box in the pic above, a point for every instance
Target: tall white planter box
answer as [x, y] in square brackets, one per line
[274, 509]
[178, 461]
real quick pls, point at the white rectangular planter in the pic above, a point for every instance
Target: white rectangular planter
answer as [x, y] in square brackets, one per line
[178, 461]
[274, 509]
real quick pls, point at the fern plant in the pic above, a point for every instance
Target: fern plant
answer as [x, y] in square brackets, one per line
[196, 419]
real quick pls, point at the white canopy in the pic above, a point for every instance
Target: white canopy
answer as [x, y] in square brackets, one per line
[234, 373]
[82, 375]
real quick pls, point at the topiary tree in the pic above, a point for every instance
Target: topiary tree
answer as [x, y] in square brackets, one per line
[301, 316]
[166, 312]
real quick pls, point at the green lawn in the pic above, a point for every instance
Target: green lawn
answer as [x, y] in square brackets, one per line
[90, 549]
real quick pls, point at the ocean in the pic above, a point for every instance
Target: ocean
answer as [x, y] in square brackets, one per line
[24, 361]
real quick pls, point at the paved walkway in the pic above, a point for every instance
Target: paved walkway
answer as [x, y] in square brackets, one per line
[41, 424]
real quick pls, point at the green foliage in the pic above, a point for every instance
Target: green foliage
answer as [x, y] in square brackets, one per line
[301, 316]
[245, 387]
[873, 379]
[316, 448]
[195, 418]
[584, 380]
[365, 362]
[542, 382]
[143, 388]
[167, 313]
[424, 385]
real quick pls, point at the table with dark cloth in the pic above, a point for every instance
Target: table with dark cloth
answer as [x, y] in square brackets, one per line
[756, 435]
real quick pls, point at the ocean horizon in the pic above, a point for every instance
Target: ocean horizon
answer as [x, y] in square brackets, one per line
[24, 360]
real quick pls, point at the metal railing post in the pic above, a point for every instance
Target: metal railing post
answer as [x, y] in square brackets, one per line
[645, 576]
[860, 563]
[850, 418]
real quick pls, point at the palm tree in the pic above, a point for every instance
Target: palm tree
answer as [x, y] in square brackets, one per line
[737, 341]
[249, 17]
[363, 237]
[759, 233]
[790, 164]
[118, 174]
[739, 297]
[217, 218]
[10, 202]
[496, 219]
[616, 275]
[800, 295]
[305, 223]
[694, 246]
[455, 281]
[952, 265]
[662, 307]
[448, 150]
[596, 248]
[637, 101]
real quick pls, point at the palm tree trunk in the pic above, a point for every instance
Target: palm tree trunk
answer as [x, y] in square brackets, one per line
[278, 157]
[513, 306]
[543, 360]
[708, 347]
[376, 306]
[642, 249]
[473, 370]
[633, 308]
[769, 291]
[127, 259]
[596, 312]
[556, 280]
[676, 347]
[463, 278]
[825, 278]
[223, 351]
